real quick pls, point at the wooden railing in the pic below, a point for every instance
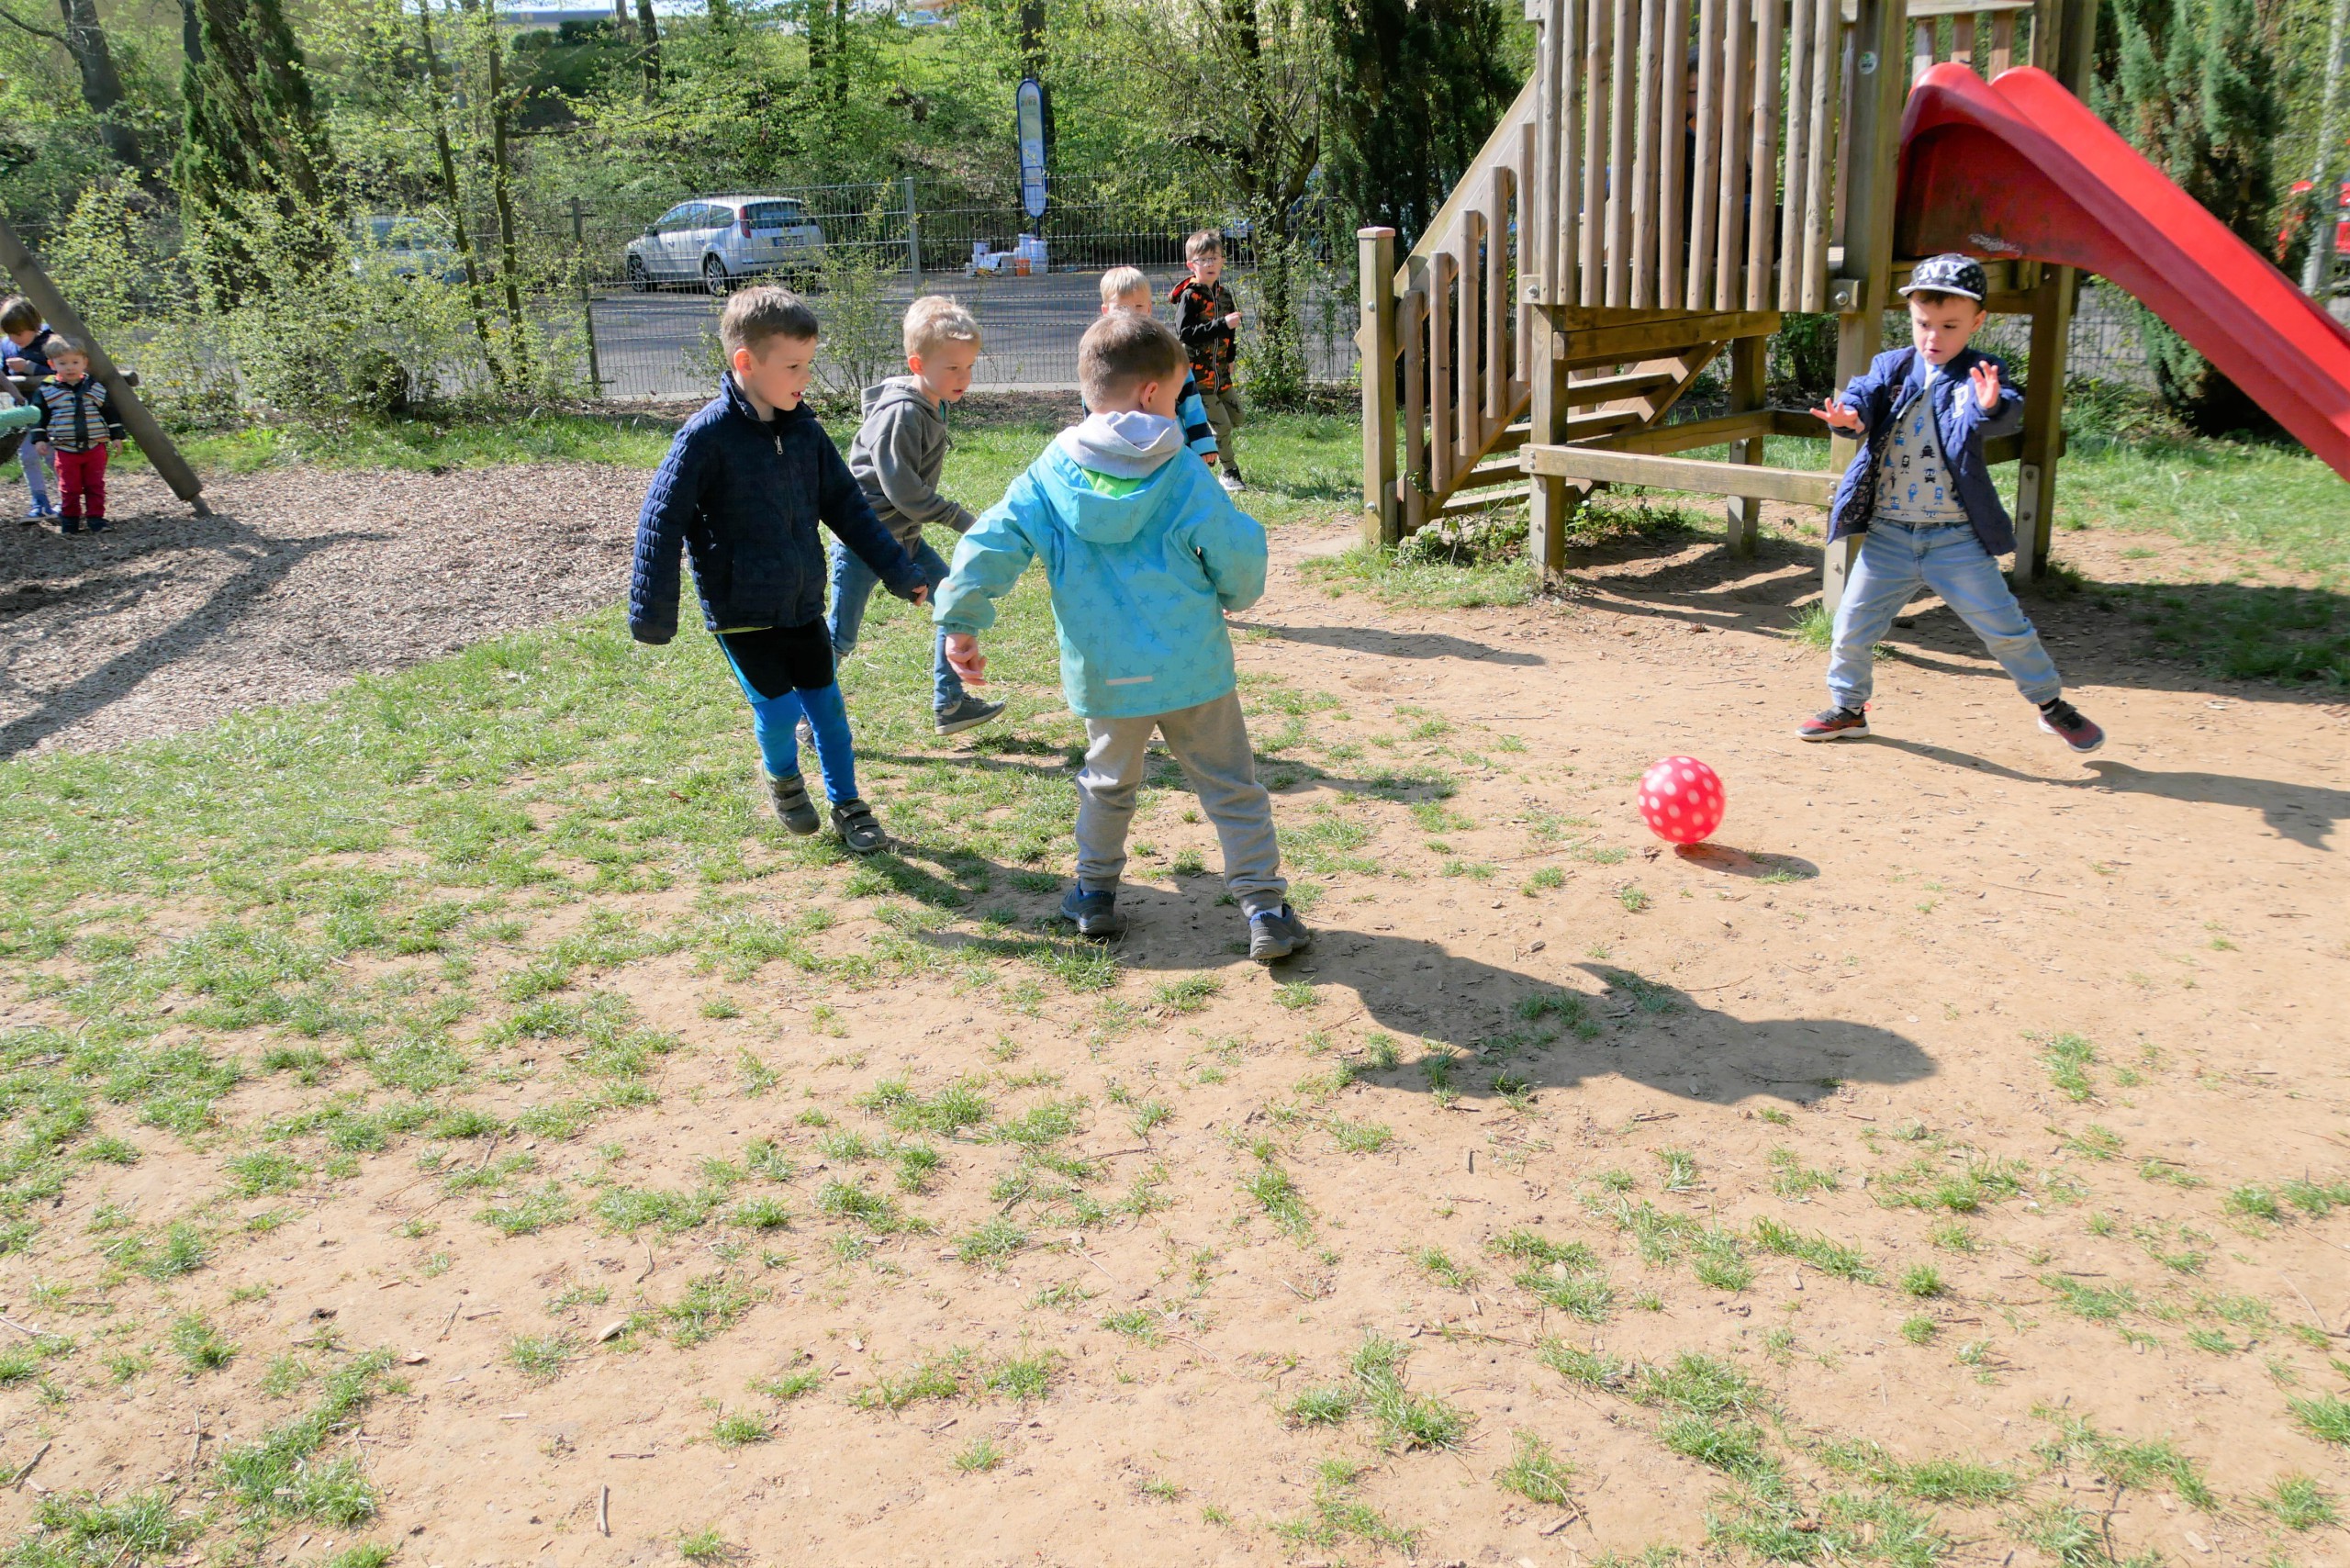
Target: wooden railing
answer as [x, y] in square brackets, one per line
[1463, 332]
[1988, 35]
[1658, 192]
[1626, 182]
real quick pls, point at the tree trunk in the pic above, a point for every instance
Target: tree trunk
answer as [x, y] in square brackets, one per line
[191, 33]
[85, 40]
[452, 194]
[648, 37]
[501, 168]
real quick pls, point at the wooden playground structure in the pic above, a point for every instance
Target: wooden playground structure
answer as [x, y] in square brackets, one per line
[1664, 190]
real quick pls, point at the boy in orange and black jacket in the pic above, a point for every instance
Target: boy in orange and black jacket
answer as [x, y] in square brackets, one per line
[1209, 323]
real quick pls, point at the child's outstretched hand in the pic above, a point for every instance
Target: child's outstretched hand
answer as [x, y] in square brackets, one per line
[1838, 416]
[1985, 378]
[1233, 320]
[920, 595]
[964, 657]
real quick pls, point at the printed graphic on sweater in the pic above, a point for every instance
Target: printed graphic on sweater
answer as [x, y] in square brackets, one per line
[1913, 483]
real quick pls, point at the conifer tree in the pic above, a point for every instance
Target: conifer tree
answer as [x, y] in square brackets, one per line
[2194, 85]
[251, 128]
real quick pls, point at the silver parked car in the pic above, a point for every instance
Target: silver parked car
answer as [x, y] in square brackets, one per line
[409, 246]
[719, 240]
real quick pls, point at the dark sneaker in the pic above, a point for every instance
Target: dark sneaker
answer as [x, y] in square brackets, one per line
[860, 833]
[1230, 481]
[1095, 915]
[1834, 724]
[968, 713]
[68, 525]
[2068, 724]
[789, 795]
[97, 525]
[1277, 934]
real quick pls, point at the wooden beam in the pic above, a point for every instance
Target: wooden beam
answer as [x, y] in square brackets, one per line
[137, 420]
[2043, 435]
[1872, 135]
[1664, 334]
[1749, 363]
[1688, 436]
[1383, 518]
[1797, 486]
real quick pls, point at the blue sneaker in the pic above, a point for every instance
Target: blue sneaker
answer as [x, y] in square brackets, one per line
[1095, 915]
[1277, 934]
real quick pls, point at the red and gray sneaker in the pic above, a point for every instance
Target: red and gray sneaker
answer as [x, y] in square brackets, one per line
[2069, 724]
[1834, 724]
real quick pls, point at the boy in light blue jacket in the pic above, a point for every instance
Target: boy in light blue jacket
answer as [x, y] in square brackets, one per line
[1144, 553]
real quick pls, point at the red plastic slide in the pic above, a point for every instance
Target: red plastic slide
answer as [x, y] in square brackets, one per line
[2020, 168]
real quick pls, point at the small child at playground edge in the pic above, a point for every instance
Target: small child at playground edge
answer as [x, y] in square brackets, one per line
[897, 455]
[1209, 323]
[1125, 288]
[745, 483]
[1920, 493]
[76, 426]
[27, 355]
[1143, 554]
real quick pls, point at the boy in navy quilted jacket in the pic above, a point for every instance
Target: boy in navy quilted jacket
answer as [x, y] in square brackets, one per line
[1920, 491]
[741, 493]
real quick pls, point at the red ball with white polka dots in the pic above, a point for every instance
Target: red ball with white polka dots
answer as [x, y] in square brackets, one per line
[1681, 799]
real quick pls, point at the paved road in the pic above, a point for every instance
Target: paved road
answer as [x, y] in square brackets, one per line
[653, 345]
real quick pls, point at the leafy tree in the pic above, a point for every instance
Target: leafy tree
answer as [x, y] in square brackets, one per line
[2194, 85]
[1417, 86]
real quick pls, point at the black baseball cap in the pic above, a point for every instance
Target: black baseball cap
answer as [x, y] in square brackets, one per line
[1949, 272]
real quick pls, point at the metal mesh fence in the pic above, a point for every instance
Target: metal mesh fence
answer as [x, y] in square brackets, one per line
[650, 281]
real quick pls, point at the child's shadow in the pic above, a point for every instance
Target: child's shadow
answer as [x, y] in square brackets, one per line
[1545, 1025]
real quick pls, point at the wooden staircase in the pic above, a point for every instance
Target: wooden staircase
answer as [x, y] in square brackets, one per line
[1633, 219]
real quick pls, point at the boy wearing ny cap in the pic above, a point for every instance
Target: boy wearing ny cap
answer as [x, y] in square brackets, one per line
[1919, 490]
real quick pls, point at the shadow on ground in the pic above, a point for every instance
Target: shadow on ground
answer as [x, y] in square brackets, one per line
[110, 582]
[1531, 1032]
[2150, 636]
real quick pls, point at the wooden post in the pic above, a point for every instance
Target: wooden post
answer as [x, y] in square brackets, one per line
[1880, 85]
[2043, 422]
[586, 299]
[1382, 519]
[1749, 364]
[134, 414]
[1551, 500]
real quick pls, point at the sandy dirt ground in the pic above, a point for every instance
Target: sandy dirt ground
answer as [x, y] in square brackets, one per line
[1865, 968]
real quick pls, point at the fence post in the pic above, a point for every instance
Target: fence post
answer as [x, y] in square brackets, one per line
[587, 304]
[1382, 522]
[913, 235]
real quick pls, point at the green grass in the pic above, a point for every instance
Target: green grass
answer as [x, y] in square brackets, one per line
[2325, 1417]
[1829, 1257]
[1537, 1475]
[2298, 1502]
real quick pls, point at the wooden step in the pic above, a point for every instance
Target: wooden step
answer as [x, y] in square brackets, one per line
[1608, 389]
[1464, 506]
[1502, 470]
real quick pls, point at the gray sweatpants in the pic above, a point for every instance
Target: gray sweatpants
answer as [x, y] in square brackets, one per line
[1212, 743]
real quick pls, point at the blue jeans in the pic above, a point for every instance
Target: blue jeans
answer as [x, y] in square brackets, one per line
[853, 585]
[37, 471]
[1894, 561]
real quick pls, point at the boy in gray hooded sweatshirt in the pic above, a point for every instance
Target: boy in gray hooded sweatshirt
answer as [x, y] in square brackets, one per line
[896, 458]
